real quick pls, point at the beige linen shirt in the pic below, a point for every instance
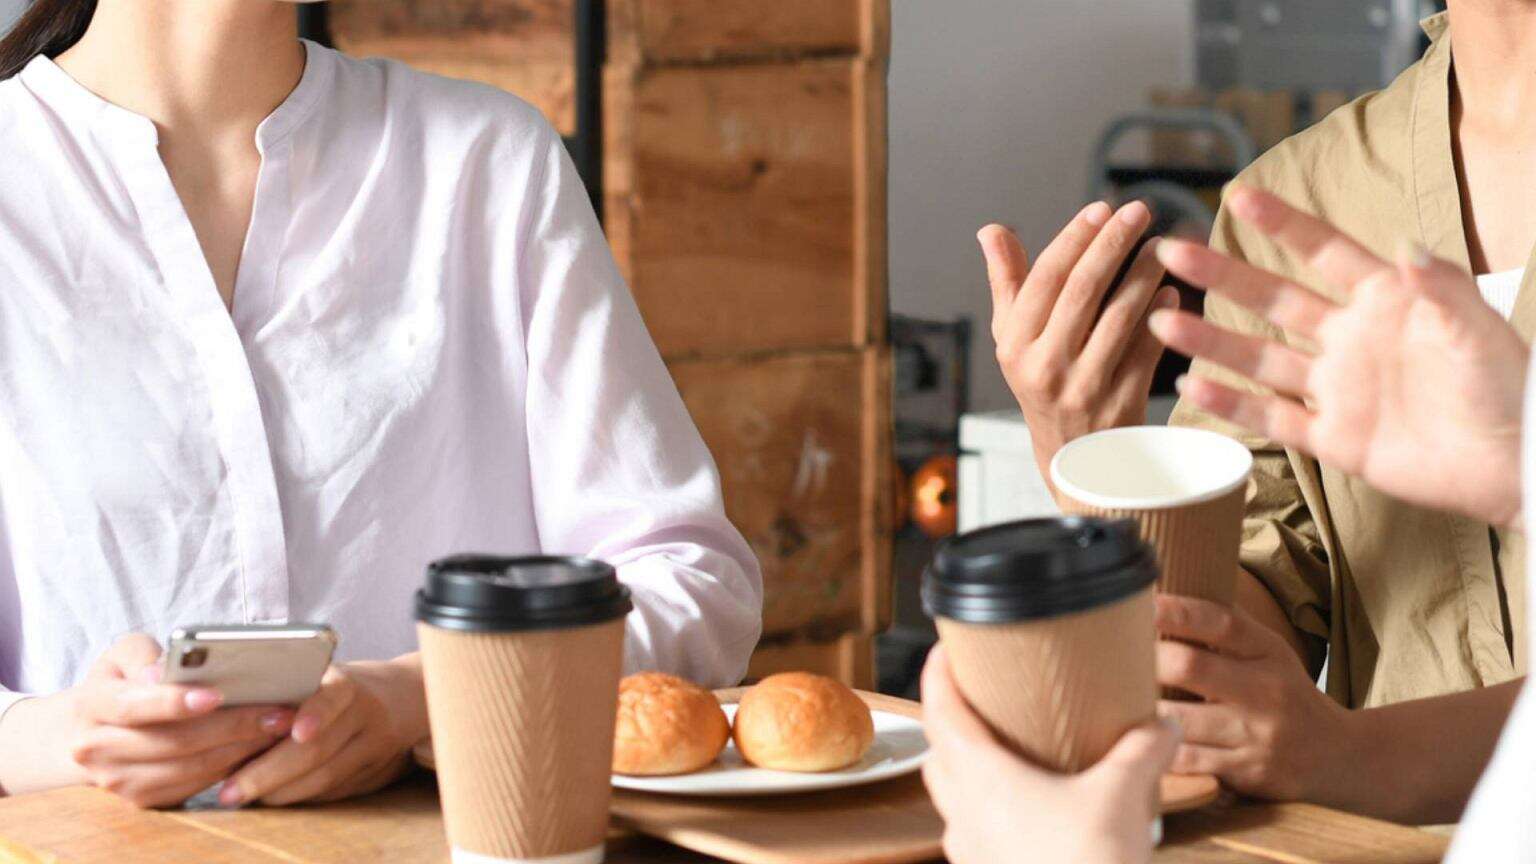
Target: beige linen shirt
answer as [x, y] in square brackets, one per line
[1409, 603]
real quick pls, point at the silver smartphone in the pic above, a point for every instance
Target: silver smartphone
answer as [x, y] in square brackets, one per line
[251, 664]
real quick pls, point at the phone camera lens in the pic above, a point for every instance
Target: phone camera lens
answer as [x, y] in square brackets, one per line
[194, 659]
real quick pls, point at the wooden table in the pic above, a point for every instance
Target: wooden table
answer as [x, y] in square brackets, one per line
[402, 826]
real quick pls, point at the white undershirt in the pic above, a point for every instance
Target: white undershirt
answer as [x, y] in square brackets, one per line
[1500, 290]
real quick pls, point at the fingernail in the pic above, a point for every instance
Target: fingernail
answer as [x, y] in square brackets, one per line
[1174, 726]
[1097, 213]
[274, 723]
[203, 700]
[1179, 383]
[230, 795]
[1242, 201]
[1412, 254]
[1134, 212]
[1152, 244]
[305, 728]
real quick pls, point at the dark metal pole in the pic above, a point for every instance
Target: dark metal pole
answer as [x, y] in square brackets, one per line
[313, 23]
[591, 47]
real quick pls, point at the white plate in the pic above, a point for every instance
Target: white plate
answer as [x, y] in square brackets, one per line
[899, 748]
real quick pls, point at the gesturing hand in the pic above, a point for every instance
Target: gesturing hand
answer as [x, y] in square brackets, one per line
[998, 807]
[158, 744]
[1072, 370]
[1411, 381]
[352, 737]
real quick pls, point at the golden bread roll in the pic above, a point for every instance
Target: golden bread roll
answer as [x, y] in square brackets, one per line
[796, 721]
[666, 726]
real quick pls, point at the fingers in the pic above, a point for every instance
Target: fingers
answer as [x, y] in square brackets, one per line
[289, 761]
[1143, 753]
[370, 780]
[1205, 723]
[1285, 304]
[334, 773]
[1119, 327]
[1275, 417]
[119, 703]
[126, 745]
[1077, 307]
[1329, 251]
[936, 778]
[127, 658]
[1007, 267]
[1202, 672]
[161, 784]
[947, 720]
[322, 709]
[1037, 297]
[1226, 630]
[1139, 365]
[1270, 363]
[1441, 281]
[1199, 759]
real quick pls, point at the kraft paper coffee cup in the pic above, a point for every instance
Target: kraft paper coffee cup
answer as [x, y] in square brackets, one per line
[1048, 626]
[1184, 487]
[522, 658]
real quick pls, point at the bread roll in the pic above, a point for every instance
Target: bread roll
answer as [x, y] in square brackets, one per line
[666, 726]
[796, 721]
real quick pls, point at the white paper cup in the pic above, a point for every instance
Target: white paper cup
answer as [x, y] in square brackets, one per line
[1185, 487]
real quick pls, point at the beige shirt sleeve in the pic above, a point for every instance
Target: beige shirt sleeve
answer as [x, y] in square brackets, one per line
[1281, 545]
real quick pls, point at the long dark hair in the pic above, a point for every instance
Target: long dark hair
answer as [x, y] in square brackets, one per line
[48, 27]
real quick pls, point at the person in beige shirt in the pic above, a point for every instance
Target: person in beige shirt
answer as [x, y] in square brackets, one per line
[1420, 627]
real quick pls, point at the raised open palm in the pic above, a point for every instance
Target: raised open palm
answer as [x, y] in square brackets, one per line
[1410, 381]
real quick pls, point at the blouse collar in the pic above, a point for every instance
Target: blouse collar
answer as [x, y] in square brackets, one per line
[77, 104]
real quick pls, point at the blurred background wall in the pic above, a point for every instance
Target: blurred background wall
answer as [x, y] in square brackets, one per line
[9, 9]
[994, 106]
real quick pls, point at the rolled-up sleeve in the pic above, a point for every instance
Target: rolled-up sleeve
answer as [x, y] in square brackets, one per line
[619, 470]
[1281, 545]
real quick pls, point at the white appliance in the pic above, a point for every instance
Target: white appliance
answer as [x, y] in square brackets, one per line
[998, 479]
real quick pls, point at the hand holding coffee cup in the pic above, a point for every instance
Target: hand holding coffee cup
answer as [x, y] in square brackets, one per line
[1048, 628]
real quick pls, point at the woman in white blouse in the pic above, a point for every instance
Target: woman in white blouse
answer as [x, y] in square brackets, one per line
[278, 327]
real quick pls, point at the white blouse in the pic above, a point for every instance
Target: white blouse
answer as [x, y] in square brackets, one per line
[431, 351]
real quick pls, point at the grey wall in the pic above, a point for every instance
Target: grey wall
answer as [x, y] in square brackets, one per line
[994, 106]
[9, 10]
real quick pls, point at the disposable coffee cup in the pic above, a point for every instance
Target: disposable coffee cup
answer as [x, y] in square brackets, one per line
[1048, 627]
[522, 658]
[1184, 487]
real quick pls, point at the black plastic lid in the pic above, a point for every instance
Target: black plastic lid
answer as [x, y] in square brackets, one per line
[497, 594]
[1039, 568]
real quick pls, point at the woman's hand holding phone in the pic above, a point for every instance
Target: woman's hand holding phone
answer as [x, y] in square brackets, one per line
[352, 737]
[154, 744]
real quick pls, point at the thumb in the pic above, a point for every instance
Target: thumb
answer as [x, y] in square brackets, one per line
[1143, 754]
[1007, 264]
[128, 657]
[1440, 281]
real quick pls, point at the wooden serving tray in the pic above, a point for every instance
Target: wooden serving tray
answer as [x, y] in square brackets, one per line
[883, 823]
